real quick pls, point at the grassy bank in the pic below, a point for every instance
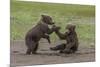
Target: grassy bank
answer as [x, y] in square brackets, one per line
[24, 15]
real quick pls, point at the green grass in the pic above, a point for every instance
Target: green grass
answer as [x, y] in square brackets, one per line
[24, 15]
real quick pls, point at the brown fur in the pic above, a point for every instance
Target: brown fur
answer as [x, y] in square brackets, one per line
[41, 30]
[70, 36]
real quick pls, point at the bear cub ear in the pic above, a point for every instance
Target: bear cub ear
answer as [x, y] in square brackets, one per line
[43, 16]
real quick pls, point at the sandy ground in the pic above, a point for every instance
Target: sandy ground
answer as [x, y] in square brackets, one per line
[45, 56]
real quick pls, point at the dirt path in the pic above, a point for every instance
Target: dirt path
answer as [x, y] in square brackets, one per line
[45, 56]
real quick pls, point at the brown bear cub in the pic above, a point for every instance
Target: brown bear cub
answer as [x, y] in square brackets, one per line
[41, 30]
[71, 45]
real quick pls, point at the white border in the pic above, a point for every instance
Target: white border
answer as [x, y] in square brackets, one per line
[4, 33]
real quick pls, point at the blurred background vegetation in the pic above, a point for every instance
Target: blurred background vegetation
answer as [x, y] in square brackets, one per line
[25, 15]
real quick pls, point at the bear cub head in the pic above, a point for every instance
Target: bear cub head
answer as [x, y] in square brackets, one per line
[47, 19]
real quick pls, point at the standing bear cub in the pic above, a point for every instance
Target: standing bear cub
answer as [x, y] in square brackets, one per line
[41, 30]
